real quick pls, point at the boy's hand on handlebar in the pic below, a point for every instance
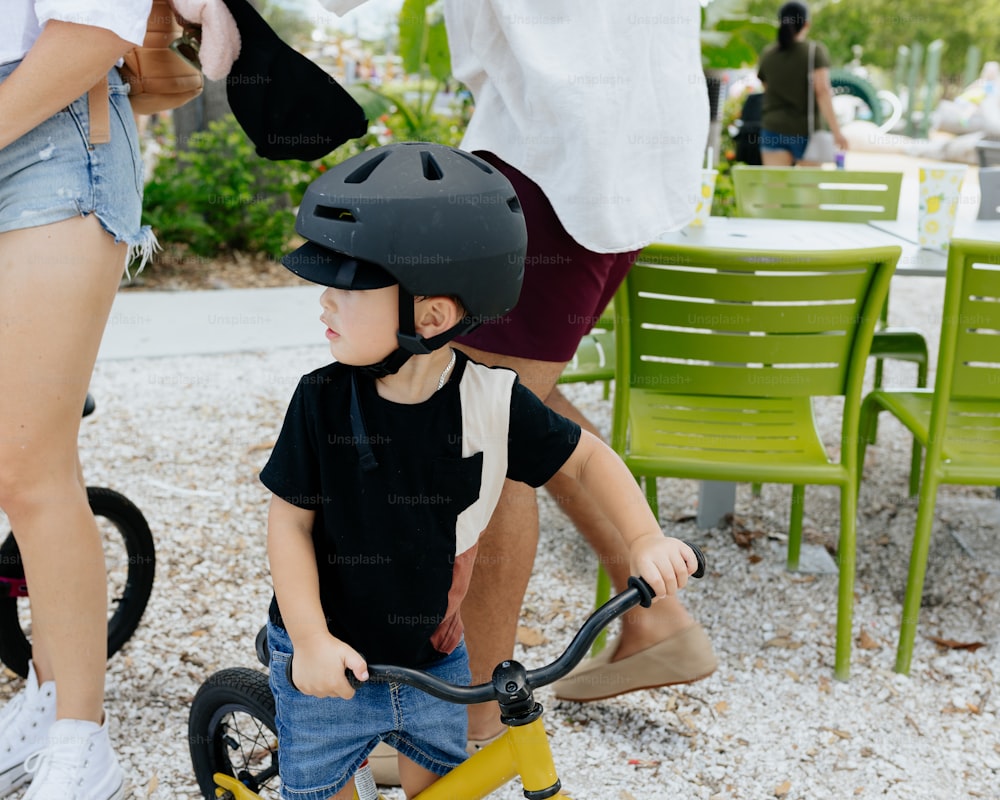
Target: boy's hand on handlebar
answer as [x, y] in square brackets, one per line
[663, 562]
[319, 666]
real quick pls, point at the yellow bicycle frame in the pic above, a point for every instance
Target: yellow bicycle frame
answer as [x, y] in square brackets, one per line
[521, 751]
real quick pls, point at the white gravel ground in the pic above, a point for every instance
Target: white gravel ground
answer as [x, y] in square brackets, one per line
[185, 438]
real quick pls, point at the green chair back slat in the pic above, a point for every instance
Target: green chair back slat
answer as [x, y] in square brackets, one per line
[710, 411]
[743, 381]
[790, 320]
[728, 441]
[779, 351]
[974, 447]
[979, 345]
[737, 317]
[754, 282]
[971, 413]
[981, 281]
[816, 194]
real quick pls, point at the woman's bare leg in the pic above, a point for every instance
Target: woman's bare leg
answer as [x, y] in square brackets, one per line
[413, 777]
[776, 158]
[57, 284]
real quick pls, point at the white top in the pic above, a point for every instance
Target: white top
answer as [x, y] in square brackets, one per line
[602, 104]
[24, 20]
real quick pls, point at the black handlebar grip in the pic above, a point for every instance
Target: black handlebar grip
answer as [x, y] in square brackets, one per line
[700, 571]
[646, 594]
[352, 679]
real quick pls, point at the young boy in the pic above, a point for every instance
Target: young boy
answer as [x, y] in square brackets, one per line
[390, 462]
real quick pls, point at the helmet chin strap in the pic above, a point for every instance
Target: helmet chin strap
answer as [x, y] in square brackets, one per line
[411, 342]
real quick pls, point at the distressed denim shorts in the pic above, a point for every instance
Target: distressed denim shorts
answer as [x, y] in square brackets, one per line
[323, 741]
[53, 173]
[771, 141]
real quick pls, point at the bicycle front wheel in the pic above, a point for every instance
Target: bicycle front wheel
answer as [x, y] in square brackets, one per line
[130, 562]
[231, 730]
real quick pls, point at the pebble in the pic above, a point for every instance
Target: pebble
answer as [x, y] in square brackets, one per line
[187, 452]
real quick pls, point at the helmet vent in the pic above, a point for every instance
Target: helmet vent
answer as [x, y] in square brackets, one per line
[432, 170]
[476, 161]
[514, 205]
[339, 214]
[361, 174]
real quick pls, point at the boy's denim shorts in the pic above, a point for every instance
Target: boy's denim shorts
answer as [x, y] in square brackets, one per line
[323, 741]
[53, 173]
[796, 145]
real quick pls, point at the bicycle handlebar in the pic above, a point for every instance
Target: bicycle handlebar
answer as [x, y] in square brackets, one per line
[638, 593]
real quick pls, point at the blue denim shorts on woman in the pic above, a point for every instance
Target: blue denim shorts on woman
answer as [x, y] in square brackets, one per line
[323, 741]
[796, 145]
[53, 173]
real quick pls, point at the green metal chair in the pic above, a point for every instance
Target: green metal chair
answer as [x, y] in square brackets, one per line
[720, 354]
[958, 423]
[594, 359]
[835, 196]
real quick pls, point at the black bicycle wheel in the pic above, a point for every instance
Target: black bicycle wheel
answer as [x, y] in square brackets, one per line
[231, 731]
[131, 565]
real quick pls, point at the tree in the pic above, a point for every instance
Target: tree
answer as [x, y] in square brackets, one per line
[880, 27]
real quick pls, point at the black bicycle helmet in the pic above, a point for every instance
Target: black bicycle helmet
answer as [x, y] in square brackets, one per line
[434, 219]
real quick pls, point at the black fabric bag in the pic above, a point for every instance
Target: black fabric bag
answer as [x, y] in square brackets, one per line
[288, 106]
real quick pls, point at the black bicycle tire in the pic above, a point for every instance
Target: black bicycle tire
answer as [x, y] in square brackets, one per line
[228, 690]
[844, 82]
[15, 648]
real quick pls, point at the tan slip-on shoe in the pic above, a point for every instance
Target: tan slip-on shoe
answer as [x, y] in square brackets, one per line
[685, 657]
[474, 745]
[385, 767]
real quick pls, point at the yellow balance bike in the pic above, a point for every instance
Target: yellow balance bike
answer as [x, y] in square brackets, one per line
[234, 747]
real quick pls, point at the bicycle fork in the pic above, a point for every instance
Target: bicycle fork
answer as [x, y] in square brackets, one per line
[523, 750]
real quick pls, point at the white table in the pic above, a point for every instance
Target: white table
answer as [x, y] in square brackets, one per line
[924, 262]
[781, 234]
[797, 235]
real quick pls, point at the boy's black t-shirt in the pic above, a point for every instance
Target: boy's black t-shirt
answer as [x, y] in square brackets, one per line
[395, 546]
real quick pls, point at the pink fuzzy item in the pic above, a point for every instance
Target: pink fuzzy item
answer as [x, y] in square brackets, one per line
[220, 38]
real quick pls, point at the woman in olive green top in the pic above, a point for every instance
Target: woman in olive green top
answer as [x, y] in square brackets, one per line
[784, 71]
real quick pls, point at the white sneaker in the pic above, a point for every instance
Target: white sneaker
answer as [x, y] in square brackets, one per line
[76, 764]
[24, 726]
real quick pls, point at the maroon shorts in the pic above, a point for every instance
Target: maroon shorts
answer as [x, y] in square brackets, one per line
[566, 287]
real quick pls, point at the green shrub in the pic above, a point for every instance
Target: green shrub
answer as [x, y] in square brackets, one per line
[218, 196]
